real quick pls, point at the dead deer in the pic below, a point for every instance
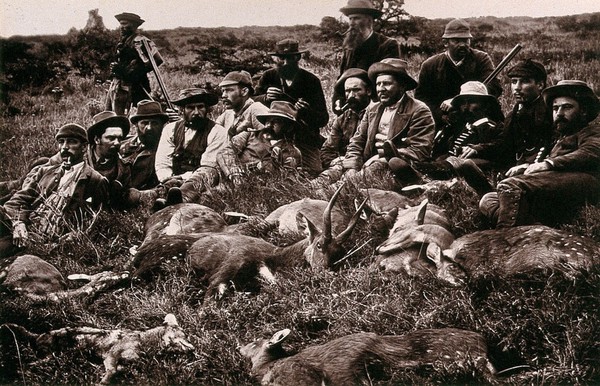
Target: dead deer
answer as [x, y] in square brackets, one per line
[285, 216]
[346, 360]
[113, 346]
[226, 257]
[514, 251]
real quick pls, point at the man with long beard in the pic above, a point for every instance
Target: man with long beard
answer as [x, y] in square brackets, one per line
[552, 189]
[362, 46]
[290, 83]
[186, 157]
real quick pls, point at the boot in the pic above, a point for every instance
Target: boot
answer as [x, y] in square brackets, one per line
[474, 176]
[174, 196]
[509, 207]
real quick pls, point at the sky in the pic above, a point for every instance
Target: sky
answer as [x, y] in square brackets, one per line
[42, 17]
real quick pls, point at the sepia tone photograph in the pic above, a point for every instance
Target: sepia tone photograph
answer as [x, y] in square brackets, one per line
[313, 192]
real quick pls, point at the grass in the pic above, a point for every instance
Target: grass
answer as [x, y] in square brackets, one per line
[550, 323]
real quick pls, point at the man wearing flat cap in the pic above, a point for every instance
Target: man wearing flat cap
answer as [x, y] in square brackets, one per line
[551, 189]
[442, 75]
[362, 46]
[130, 82]
[357, 88]
[394, 132]
[288, 82]
[186, 158]
[241, 109]
[53, 195]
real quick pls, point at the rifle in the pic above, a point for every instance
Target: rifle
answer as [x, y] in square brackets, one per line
[503, 63]
[163, 89]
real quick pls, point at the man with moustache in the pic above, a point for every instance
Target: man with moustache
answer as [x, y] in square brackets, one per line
[442, 75]
[288, 82]
[241, 109]
[186, 157]
[362, 46]
[551, 189]
[52, 195]
[130, 83]
[395, 132]
[357, 87]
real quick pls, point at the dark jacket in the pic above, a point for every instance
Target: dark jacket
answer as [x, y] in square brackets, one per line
[337, 141]
[376, 48]
[141, 160]
[131, 69]
[411, 130]
[578, 152]
[308, 87]
[440, 79]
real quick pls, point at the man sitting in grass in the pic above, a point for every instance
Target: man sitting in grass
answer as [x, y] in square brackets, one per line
[53, 195]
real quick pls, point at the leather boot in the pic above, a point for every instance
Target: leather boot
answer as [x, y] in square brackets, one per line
[474, 176]
[509, 207]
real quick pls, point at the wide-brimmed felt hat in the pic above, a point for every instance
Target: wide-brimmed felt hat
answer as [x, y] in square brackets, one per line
[528, 68]
[72, 130]
[242, 78]
[473, 90]
[131, 17]
[106, 119]
[395, 67]
[457, 28]
[147, 109]
[280, 109]
[362, 7]
[287, 47]
[352, 73]
[578, 90]
[195, 95]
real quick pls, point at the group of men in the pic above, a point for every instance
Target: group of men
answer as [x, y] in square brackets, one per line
[547, 148]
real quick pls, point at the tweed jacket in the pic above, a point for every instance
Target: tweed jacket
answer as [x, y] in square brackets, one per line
[246, 120]
[337, 141]
[308, 87]
[411, 130]
[440, 79]
[578, 152]
[91, 190]
[141, 160]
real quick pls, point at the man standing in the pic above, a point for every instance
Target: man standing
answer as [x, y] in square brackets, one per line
[362, 46]
[442, 75]
[241, 110]
[398, 128]
[288, 82]
[357, 87]
[551, 190]
[52, 195]
[130, 83]
[186, 158]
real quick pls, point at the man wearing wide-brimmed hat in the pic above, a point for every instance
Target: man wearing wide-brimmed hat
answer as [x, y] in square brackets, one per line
[552, 189]
[442, 75]
[52, 195]
[187, 150]
[288, 82]
[397, 130]
[130, 83]
[264, 149]
[362, 46]
[241, 109]
[357, 88]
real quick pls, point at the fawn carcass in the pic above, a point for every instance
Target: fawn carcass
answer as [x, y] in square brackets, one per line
[347, 360]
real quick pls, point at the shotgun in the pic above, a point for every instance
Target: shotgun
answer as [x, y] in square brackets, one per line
[163, 89]
[503, 63]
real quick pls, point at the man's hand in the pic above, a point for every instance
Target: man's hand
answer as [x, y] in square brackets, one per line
[537, 167]
[467, 152]
[274, 93]
[20, 234]
[302, 105]
[516, 170]
[446, 105]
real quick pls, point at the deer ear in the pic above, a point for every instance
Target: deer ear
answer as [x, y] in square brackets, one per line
[170, 320]
[365, 212]
[278, 337]
[434, 253]
[310, 229]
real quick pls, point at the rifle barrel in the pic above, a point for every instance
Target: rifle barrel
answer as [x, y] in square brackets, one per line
[503, 63]
[163, 89]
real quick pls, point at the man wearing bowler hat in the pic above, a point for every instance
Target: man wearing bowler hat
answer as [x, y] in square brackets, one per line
[288, 82]
[552, 189]
[362, 46]
[186, 158]
[357, 88]
[241, 109]
[52, 195]
[130, 82]
[442, 75]
[394, 132]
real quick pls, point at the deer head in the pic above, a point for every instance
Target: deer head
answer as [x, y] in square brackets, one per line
[263, 351]
[325, 250]
[447, 269]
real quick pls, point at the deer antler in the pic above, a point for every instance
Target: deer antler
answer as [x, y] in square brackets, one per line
[327, 237]
[353, 221]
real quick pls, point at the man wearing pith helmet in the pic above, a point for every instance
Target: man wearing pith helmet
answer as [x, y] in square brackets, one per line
[362, 45]
[186, 158]
[131, 63]
[442, 75]
[241, 109]
[552, 189]
[52, 195]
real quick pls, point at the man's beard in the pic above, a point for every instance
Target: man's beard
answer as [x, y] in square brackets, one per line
[197, 123]
[565, 126]
[356, 105]
[353, 39]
